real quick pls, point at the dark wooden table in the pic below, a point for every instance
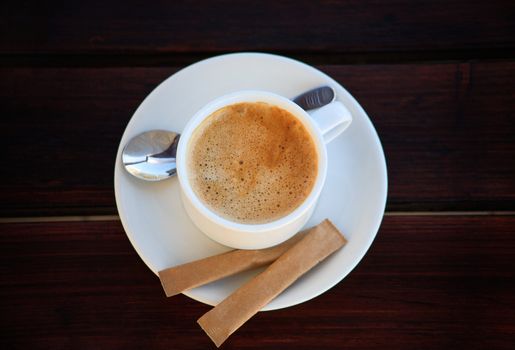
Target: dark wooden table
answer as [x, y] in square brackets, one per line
[437, 78]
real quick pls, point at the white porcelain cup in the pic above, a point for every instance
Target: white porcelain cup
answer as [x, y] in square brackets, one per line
[323, 124]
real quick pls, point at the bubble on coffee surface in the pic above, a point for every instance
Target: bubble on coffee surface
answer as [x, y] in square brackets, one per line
[252, 162]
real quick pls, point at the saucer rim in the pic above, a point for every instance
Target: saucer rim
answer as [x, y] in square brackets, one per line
[340, 90]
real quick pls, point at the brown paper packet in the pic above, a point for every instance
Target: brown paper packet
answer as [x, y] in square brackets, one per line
[187, 276]
[225, 318]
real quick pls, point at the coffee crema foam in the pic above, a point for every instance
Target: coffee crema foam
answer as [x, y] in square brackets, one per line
[252, 162]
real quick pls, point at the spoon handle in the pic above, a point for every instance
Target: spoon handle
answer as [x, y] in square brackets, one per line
[315, 98]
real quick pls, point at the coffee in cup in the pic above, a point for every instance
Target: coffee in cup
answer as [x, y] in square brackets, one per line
[252, 162]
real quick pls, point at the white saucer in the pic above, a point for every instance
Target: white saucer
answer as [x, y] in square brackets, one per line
[354, 196]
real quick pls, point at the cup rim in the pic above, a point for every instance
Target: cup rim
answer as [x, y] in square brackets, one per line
[251, 96]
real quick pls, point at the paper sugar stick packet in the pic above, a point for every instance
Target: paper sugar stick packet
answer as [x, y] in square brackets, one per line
[226, 317]
[187, 276]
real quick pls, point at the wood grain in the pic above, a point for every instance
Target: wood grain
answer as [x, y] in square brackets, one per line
[62, 130]
[177, 27]
[81, 285]
[447, 130]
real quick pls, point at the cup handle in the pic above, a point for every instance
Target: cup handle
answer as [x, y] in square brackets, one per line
[331, 119]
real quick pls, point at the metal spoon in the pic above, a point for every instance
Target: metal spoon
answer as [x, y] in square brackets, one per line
[150, 155]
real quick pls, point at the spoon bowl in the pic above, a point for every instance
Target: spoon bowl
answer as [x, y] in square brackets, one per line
[150, 155]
